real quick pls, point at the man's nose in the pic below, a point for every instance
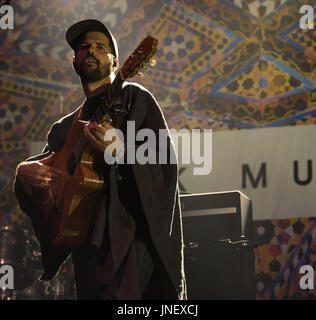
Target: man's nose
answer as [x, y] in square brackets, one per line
[91, 51]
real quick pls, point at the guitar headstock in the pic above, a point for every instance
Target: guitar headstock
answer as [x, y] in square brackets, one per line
[140, 56]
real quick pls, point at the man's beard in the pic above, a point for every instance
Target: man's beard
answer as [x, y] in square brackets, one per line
[94, 74]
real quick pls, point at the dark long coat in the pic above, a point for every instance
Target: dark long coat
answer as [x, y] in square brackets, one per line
[158, 191]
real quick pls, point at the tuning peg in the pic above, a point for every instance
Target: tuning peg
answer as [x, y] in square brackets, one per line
[152, 62]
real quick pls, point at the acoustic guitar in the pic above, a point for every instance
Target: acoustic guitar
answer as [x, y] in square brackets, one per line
[67, 208]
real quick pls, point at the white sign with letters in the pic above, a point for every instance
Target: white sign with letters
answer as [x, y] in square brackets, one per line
[274, 167]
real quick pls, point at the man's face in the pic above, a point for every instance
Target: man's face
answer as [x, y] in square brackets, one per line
[94, 57]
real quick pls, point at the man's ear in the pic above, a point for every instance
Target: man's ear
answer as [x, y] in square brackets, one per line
[73, 61]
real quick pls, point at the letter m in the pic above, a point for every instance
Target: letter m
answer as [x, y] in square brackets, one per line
[246, 172]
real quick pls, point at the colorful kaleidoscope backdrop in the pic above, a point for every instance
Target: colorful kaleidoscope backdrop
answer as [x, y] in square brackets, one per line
[221, 64]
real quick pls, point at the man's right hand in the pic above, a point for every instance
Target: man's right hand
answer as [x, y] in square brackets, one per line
[37, 174]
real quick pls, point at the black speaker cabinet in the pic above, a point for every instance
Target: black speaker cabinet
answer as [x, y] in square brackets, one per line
[219, 253]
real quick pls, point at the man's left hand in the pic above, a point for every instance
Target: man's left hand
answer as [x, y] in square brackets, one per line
[96, 133]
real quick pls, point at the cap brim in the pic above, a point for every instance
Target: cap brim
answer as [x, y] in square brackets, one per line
[77, 29]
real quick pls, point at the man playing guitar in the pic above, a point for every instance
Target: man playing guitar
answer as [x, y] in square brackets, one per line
[133, 245]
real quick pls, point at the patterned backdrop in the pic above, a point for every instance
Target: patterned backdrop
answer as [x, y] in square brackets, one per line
[221, 64]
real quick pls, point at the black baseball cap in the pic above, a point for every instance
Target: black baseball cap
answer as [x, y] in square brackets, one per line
[77, 29]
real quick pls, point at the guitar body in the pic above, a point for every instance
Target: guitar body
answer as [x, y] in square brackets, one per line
[68, 207]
